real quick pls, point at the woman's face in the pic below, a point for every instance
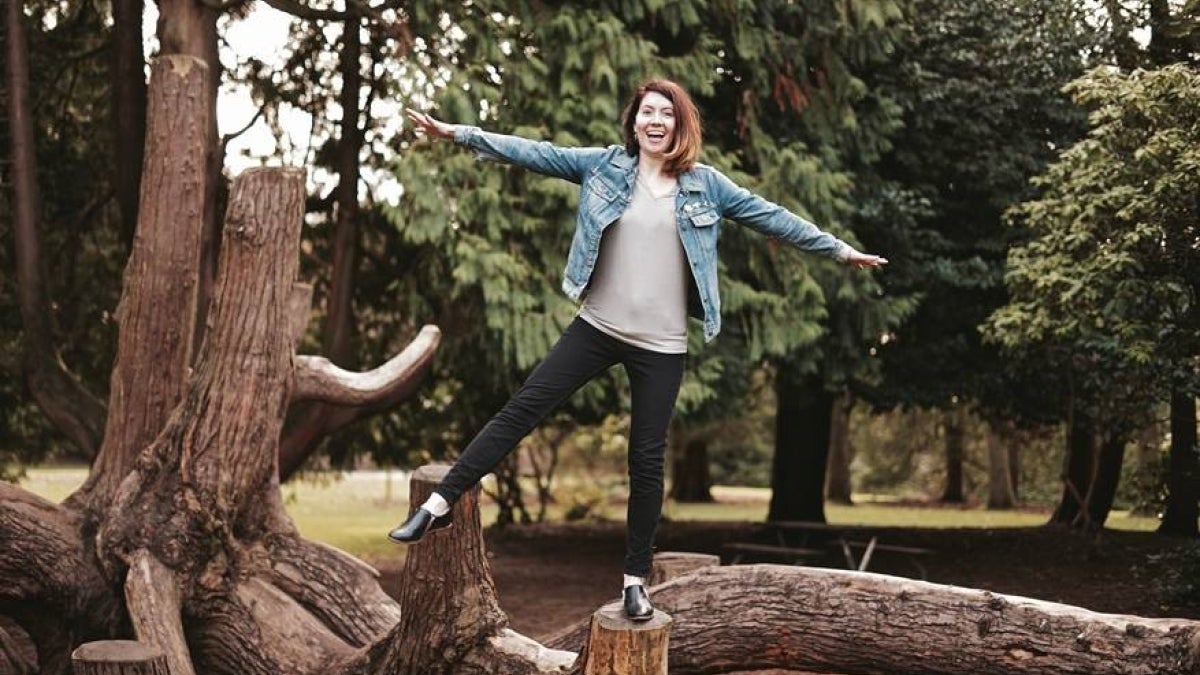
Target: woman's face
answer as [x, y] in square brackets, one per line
[654, 125]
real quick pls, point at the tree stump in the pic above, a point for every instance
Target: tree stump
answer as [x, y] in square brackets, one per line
[618, 646]
[118, 657]
[669, 565]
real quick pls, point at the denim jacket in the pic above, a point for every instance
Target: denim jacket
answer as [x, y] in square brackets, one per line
[606, 178]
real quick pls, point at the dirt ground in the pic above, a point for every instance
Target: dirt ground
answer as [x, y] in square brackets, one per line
[551, 575]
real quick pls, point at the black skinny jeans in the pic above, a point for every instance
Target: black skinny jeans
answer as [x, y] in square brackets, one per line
[579, 355]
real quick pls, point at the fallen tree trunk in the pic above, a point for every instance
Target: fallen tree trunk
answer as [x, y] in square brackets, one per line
[773, 616]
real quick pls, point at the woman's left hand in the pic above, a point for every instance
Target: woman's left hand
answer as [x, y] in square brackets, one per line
[865, 260]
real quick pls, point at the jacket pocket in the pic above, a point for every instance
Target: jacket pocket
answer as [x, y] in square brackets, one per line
[704, 218]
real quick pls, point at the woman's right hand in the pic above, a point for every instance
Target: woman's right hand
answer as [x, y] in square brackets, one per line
[429, 125]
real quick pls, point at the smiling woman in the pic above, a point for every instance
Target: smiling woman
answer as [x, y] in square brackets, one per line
[642, 257]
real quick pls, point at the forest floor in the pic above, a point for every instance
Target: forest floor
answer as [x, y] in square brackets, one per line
[551, 575]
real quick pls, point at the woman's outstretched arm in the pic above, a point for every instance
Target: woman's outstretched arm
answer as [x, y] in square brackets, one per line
[772, 219]
[540, 156]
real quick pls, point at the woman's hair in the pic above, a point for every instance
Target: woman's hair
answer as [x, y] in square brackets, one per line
[685, 146]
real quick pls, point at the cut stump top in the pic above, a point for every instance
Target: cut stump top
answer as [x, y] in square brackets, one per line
[612, 617]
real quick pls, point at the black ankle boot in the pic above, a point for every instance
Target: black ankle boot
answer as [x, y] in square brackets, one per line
[637, 603]
[420, 523]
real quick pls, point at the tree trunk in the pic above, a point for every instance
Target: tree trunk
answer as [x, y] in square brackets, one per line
[823, 620]
[1183, 474]
[118, 657]
[59, 394]
[954, 421]
[455, 624]
[691, 481]
[1079, 468]
[1103, 491]
[618, 646]
[1000, 489]
[189, 28]
[1014, 468]
[837, 482]
[804, 410]
[158, 306]
[312, 422]
[128, 110]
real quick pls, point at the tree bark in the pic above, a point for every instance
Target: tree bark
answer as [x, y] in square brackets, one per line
[18, 656]
[954, 420]
[1000, 488]
[838, 488]
[837, 621]
[1183, 473]
[1103, 491]
[118, 657]
[59, 394]
[459, 627]
[618, 646]
[1080, 466]
[803, 414]
[189, 28]
[128, 110]
[158, 304]
[670, 565]
[691, 481]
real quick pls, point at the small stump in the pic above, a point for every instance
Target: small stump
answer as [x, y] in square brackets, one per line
[118, 657]
[672, 564]
[618, 646]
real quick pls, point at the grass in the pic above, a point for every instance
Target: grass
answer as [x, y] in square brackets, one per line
[353, 511]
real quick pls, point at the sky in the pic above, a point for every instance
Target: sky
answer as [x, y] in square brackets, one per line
[262, 34]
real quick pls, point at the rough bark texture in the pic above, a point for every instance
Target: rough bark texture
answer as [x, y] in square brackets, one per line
[836, 621]
[158, 305]
[152, 596]
[459, 627]
[618, 646]
[118, 657]
[670, 565]
[18, 656]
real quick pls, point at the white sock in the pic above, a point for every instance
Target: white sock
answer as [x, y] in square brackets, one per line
[633, 581]
[437, 505]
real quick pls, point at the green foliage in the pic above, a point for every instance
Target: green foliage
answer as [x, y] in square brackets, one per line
[979, 85]
[82, 252]
[1111, 274]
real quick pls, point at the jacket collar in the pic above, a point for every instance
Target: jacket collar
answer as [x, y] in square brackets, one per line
[688, 180]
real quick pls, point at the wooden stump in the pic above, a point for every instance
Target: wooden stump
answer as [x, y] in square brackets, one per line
[618, 646]
[670, 565]
[118, 657]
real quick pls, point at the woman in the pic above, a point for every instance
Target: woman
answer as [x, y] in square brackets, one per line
[643, 253]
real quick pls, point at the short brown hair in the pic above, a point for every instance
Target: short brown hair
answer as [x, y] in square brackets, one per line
[685, 146]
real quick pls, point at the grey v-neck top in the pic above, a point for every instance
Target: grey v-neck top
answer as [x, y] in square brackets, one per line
[638, 290]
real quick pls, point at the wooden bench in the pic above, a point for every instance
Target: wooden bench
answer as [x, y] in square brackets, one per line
[794, 553]
[805, 533]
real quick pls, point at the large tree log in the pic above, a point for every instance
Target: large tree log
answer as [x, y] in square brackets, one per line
[774, 616]
[18, 656]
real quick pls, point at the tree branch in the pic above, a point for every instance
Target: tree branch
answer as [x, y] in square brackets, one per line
[317, 379]
[152, 595]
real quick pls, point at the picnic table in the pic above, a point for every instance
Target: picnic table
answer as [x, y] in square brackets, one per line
[799, 540]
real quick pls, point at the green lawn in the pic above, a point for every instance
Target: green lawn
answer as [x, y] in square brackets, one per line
[354, 511]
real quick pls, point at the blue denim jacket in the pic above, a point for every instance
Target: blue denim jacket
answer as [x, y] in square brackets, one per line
[606, 178]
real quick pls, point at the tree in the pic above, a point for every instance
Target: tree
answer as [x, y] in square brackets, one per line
[1110, 274]
[978, 82]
